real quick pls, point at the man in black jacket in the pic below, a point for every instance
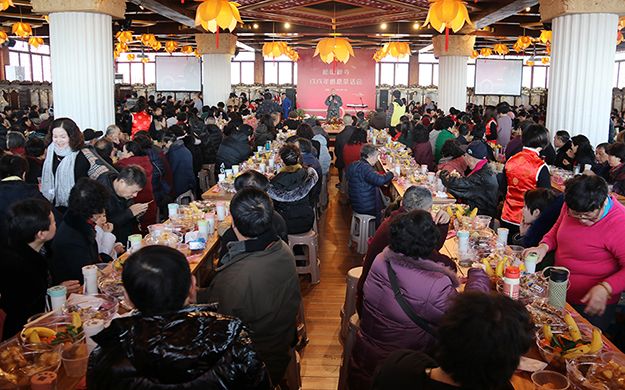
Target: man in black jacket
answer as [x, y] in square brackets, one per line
[340, 142]
[480, 188]
[121, 211]
[234, 149]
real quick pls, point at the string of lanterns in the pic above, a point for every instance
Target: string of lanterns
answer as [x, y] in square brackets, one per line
[277, 49]
[521, 44]
[149, 40]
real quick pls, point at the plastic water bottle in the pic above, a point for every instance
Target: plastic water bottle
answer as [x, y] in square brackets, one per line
[511, 282]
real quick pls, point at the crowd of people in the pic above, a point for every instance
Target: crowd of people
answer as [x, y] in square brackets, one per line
[71, 197]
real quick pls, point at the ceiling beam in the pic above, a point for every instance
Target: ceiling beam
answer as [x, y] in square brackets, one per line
[177, 14]
[498, 13]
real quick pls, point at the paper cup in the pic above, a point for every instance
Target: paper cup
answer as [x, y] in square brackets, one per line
[530, 262]
[221, 210]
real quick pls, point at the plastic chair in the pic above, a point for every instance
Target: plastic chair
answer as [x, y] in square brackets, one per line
[187, 197]
[361, 230]
[349, 307]
[310, 241]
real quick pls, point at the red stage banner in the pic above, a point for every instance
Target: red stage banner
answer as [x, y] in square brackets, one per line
[352, 81]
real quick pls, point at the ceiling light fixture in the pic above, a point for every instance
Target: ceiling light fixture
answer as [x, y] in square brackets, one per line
[527, 9]
[383, 25]
[286, 25]
[416, 25]
[255, 25]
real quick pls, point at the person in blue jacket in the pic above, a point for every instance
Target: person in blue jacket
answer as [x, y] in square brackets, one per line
[181, 162]
[286, 105]
[364, 180]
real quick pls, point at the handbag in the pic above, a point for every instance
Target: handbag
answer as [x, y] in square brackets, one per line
[399, 297]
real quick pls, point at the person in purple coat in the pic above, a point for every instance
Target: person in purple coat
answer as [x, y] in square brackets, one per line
[427, 287]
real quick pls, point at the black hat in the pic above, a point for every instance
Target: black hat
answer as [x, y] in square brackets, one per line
[91, 134]
[477, 149]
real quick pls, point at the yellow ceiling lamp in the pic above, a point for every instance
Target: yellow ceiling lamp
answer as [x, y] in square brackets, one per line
[446, 14]
[22, 29]
[130, 57]
[274, 49]
[545, 60]
[485, 52]
[124, 36]
[115, 54]
[145, 60]
[501, 49]
[35, 41]
[197, 53]
[524, 42]
[148, 39]
[156, 45]
[474, 55]
[548, 49]
[529, 63]
[121, 47]
[394, 49]
[4, 4]
[215, 14]
[292, 54]
[3, 37]
[186, 49]
[334, 49]
[171, 46]
[545, 37]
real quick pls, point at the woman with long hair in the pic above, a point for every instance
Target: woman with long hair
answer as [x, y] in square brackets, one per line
[351, 151]
[490, 122]
[582, 152]
[265, 131]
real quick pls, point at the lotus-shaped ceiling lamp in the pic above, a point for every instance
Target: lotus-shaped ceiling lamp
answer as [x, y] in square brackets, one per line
[485, 52]
[545, 37]
[3, 37]
[4, 4]
[124, 36]
[121, 47]
[148, 39]
[131, 57]
[446, 14]
[335, 48]
[474, 55]
[171, 46]
[501, 49]
[22, 29]
[186, 49]
[35, 41]
[524, 42]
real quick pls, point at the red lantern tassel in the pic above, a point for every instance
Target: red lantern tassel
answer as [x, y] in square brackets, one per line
[217, 36]
[334, 65]
[446, 38]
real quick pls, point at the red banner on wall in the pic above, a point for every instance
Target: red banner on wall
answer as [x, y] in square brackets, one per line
[352, 81]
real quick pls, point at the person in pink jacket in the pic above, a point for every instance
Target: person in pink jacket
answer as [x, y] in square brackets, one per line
[427, 287]
[588, 242]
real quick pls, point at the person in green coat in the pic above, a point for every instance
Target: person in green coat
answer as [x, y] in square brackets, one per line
[443, 136]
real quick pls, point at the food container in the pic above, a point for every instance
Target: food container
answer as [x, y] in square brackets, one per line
[549, 380]
[555, 359]
[167, 237]
[20, 364]
[100, 307]
[590, 372]
[50, 326]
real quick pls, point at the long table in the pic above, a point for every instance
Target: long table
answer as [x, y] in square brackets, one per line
[216, 194]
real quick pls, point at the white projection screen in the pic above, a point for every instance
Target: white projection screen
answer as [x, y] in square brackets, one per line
[178, 74]
[498, 77]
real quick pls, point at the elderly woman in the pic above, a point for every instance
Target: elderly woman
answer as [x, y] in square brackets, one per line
[586, 242]
[616, 158]
[426, 286]
[453, 157]
[291, 188]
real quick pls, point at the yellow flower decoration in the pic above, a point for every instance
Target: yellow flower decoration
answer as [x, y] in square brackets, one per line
[212, 14]
[501, 49]
[35, 41]
[124, 36]
[447, 14]
[4, 4]
[22, 29]
[337, 48]
[485, 52]
[171, 46]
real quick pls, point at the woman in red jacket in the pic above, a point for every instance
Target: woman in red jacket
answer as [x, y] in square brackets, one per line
[351, 151]
[132, 154]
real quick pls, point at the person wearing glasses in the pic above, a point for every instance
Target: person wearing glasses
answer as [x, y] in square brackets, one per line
[587, 241]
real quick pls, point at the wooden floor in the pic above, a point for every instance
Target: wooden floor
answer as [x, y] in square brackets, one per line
[321, 358]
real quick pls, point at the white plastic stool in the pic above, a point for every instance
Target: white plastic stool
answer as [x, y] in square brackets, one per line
[354, 326]
[188, 196]
[310, 240]
[361, 230]
[349, 307]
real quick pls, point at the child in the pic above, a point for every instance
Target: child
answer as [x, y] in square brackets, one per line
[105, 238]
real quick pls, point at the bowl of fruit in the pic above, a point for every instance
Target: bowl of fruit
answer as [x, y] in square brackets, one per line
[18, 364]
[557, 346]
[53, 330]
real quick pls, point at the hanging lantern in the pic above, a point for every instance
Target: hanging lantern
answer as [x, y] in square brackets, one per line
[336, 48]
[147, 39]
[381, 53]
[274, 49]
[197, 53]
[516, 47]
[529, 63]
[131, 57]
[548, 49]
[621, 23]
[474, 55]
[186, 49]
[446, 14]
[399, 49]
[156, 45]
[214, 14]
[115, 54]
[545, 60]
[545, 37]
[124, 36]
[171, 46]
[485, 52]
[524, 42]
[145, 60]
[35, 41]
[501, 49]
[3, 37]
[22, 29]
[4, 4]
[121, 47]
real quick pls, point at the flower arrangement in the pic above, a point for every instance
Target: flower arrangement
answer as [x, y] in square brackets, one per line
[334, 121]
[370, 116]
[300, 114]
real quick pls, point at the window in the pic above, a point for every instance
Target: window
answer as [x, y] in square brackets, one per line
[137, 72]
[527, 77]
[425, 74]
[471, 75]
[428, 69]
[392, 71]
[235, 72]
[247, 72]
[280, 70]
[540, 77]
[242, 68]
[35, 61]
[271, 72]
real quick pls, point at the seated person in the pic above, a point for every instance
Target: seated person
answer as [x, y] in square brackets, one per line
[74, 245]
[291, 122]
[616, 158]
[234, 149]
[181, 162]
[479, 134]
[13, 170]
[24, 272]
[258, 281]
[562, 143]
[427, 287]
[602, 166]
[35, 153]
[121, 210]
[256, 179]
[479, 189]
[364, 182]
[106, 239]
[422, 148]
[463, 132]
[291, 189]
[307, 155]
[415, 198]
[211, 351]
[470, 355]
[453, 157]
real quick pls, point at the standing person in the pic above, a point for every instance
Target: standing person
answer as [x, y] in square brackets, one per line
[140, 119]
[212, 351]
[258, 281]
[340, 142]
[286, 105]
[504, 124]
[490, 122]
[395, 110]
[364, 182]
[334, 103]
[523, 172]
[585, 243]
[197, 102]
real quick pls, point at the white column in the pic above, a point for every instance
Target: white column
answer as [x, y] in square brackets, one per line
[81, 55]
[452, 82]
[216, 78]
[580, 77]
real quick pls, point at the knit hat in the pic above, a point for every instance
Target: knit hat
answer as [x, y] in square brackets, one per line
[477, 149]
